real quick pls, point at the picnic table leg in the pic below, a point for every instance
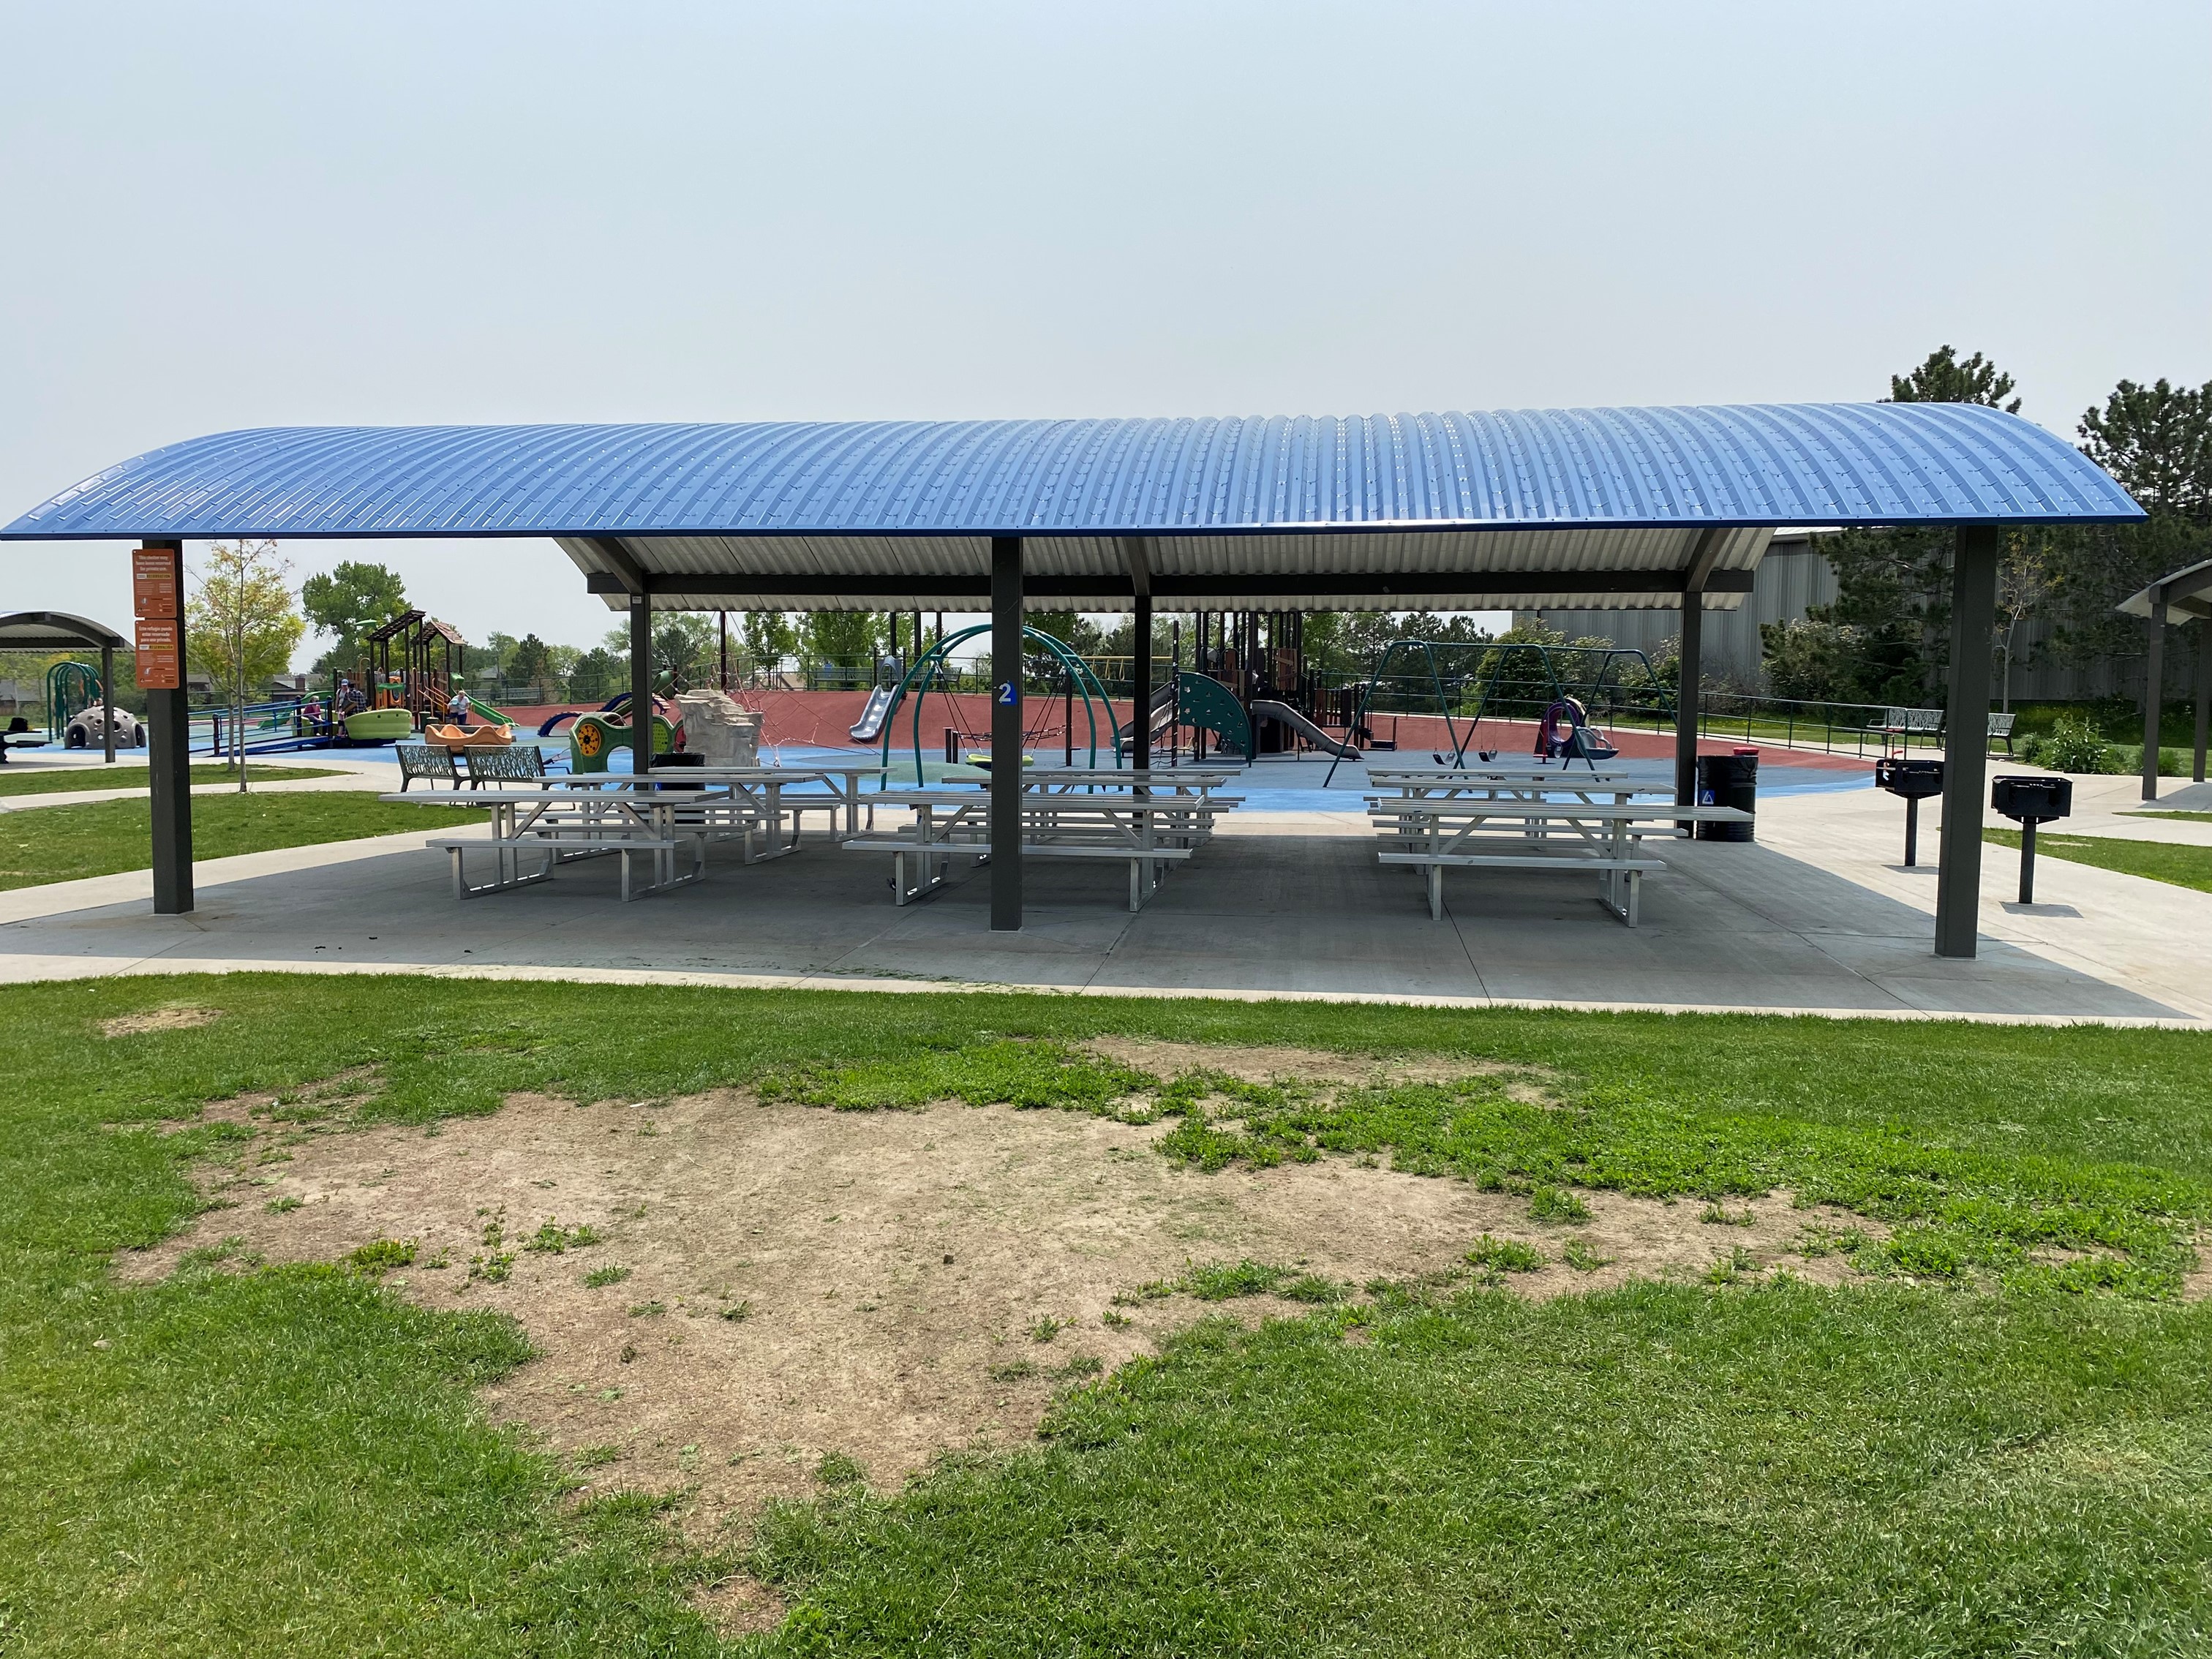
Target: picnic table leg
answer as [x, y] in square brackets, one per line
[1436, 892]
[460, 885]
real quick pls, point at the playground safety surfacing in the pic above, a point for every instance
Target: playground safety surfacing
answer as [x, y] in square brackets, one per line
[1287, 901]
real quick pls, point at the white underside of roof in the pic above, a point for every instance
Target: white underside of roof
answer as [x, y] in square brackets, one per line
[865, 572]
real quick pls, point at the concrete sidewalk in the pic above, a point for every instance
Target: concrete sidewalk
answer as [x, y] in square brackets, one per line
[1815, 917]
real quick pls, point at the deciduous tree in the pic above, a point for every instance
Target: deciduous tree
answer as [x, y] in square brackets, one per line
[240, 627]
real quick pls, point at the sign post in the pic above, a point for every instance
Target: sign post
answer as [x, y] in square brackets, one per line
[157, 590]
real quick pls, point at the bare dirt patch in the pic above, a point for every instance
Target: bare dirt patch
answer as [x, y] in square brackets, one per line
[739, 1606]
[158, 1019]
[797, 1282]
[1287, 1065]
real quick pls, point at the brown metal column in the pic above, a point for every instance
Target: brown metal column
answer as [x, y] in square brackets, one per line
[2153, 689]
[2204, 694]
[1966, 740]
[640, 683]
[1686, 699]
[157, 582]
[107, 700]
[1140, 750]
[1006, 734]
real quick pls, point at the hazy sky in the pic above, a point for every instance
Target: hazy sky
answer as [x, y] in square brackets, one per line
[226, 215]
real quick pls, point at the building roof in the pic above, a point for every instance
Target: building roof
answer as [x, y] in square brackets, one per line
[1521, 507]
[2188, 595]
[56, 630]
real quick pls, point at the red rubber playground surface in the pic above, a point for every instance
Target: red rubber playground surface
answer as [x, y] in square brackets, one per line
[824, 719]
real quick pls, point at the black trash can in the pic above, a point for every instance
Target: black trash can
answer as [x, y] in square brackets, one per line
[1729, 780]
[674, 761]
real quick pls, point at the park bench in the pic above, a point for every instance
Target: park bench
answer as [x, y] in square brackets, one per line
[1898, 727]
[420, 760]
[524, 764]
[2001, 730]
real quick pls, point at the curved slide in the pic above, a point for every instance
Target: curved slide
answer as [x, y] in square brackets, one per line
[1282, 715]
[883, 703]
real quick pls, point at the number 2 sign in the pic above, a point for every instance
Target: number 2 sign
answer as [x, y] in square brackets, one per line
[1008, 696]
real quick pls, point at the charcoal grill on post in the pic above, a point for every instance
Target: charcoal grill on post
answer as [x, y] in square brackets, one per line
[2028, 802]
[1914, 780]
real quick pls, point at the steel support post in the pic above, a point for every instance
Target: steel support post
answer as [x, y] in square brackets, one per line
[640, 683]
[107, 700]
[2153, 689]
[1141, 748]
[169, 761]
[1686, 701]
[2203, 695]
[1966, 741]
[1006, 734]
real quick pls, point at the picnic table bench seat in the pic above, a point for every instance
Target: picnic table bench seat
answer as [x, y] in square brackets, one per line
[558, 847]
[1146, 871]
[1505, 833]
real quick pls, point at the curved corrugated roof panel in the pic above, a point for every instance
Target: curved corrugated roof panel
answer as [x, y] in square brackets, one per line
[1769, 465]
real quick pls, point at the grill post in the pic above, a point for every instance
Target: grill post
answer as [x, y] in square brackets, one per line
[1006, 734]
[1965, 743]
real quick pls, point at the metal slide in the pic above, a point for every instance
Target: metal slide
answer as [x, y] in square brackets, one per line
[883, 703]
[1282, 715]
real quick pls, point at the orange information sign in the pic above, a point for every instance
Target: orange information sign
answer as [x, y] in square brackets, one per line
[154, 583]
[160, 659]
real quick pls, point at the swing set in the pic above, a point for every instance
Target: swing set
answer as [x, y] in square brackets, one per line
[1504, 677]
[1078, 680]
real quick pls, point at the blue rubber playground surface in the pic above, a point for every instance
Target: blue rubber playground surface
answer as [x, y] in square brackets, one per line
[1270, 784]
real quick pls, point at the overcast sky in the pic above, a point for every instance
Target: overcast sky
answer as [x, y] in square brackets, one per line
[227, 216]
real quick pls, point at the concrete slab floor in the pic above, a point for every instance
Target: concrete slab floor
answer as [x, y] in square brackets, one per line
[1815, 917]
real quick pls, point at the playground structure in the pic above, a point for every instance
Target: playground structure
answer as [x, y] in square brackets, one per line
[1076, 679]
[413, 662]
[595, 735]
[71, 688]
[1555, 685]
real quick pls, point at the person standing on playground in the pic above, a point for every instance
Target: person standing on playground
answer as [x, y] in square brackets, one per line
[457, 708]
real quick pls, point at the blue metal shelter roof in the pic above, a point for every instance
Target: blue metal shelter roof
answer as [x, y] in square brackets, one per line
[1750, 465]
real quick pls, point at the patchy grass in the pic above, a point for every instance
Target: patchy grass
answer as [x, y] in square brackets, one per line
[249, 1458]
[1623, 1474]
[1507, 1256]
[2154, 860]
[67, 844]
[73, 779]
[553, 1239]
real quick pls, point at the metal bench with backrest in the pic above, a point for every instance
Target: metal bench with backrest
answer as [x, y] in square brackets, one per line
[2001, 730]
[421, 760]
[524, 764]
[1899, 726]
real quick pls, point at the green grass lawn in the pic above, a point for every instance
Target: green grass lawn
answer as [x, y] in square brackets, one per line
[2183, 866]
[62, 843]
[133, 775]
[1981, 1447]
[2187, 817]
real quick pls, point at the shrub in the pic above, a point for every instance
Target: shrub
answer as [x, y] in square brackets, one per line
[2074, 746]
